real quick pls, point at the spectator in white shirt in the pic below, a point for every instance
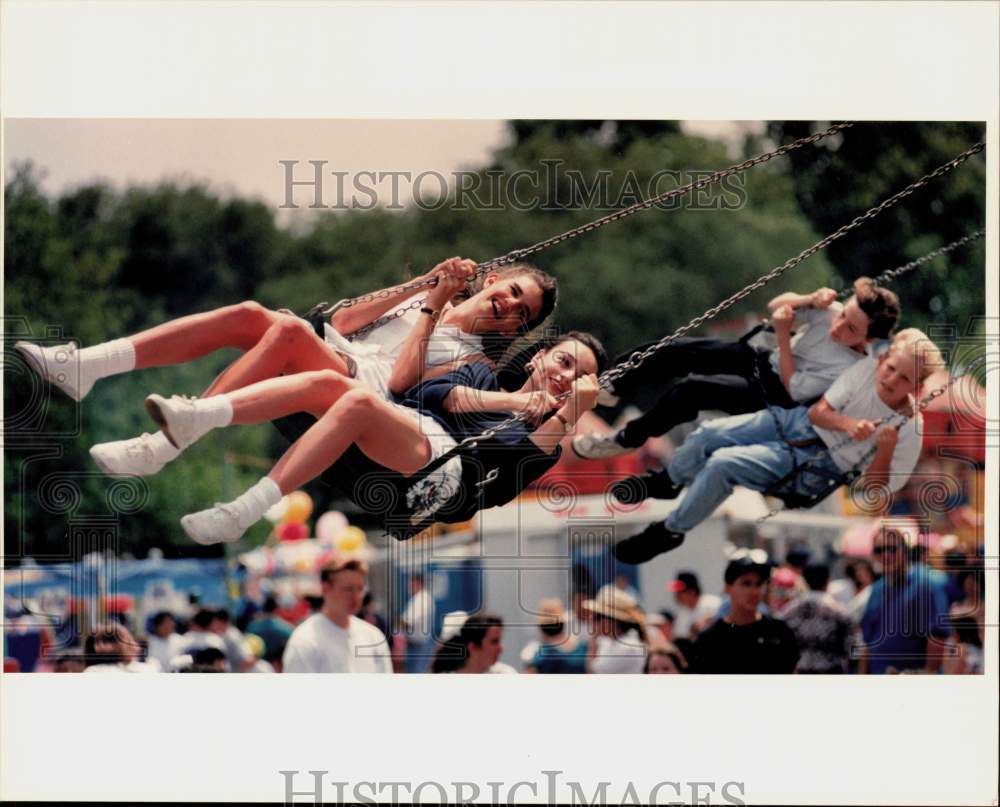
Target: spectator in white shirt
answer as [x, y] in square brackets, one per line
[111, 647]
[199, 635]
[238, 655]
[164, 642]
[334, 640]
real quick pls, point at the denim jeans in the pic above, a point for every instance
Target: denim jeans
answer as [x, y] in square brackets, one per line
[743, 450]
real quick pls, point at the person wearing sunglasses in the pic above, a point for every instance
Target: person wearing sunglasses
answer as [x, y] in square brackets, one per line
[906, 619]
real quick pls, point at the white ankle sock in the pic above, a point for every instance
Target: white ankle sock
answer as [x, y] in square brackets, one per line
[107, 358]
[217, 408]
[252, 505]
[163, 449]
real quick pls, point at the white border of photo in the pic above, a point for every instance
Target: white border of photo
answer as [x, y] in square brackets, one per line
[911, 739]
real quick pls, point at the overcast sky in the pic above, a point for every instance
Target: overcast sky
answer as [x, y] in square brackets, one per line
[242, 156]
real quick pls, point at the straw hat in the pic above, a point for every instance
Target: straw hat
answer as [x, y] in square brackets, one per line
[551, 610]
[612, 602]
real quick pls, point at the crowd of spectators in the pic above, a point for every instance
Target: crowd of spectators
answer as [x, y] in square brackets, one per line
[897, 613]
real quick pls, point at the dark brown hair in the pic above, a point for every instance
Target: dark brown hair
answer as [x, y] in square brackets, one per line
[587, 339]
[337, 565]
[545, 281]
[880, 305]
[451, 655]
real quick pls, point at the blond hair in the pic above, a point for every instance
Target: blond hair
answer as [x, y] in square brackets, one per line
[926, 354]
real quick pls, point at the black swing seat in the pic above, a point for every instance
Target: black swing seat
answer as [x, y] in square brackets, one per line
[784, 488]
[406, 505]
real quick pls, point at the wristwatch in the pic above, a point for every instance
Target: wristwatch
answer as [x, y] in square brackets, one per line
[567, 426]
[431, 313]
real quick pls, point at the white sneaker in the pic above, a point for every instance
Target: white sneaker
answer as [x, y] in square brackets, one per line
[179, 418]
[220, 524]
[598, 446]
[60, 366]
[135, 457]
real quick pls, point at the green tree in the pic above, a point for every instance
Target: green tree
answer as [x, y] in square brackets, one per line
[870, 162]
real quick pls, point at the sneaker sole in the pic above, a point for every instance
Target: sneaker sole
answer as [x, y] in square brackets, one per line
[156, 413]
[198, 539]
[107, 469]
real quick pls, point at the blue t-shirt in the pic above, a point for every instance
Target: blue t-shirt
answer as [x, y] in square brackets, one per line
[429, 397]
[556, 660]
[511, 451]
[899, 619]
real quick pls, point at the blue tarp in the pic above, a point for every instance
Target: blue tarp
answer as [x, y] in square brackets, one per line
[134, 577]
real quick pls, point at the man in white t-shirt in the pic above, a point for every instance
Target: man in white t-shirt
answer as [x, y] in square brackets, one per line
[163, 643]
[334, 640]
[734, 377]
[200, 636]
[858, 425]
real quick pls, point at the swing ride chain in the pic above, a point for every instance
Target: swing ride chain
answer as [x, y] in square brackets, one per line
[607, 378]
[519, 254]
[919, 407]
[892, 274]
[887, 276]
[637, 358]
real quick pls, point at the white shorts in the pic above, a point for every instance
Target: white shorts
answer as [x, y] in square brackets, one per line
[373, 367]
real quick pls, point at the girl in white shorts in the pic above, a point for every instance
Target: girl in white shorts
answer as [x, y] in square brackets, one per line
[512, 300]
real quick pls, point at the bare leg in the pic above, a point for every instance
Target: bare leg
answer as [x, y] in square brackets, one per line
[388, 435]
[289, 346]
[313, 392]
[191, 337]
[75, 370]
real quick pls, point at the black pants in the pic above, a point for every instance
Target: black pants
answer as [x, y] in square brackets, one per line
[715, 373]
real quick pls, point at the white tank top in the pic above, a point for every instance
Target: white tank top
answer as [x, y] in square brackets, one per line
[377, 351]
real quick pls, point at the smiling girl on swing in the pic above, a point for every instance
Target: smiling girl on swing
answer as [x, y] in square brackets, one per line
[512, 300]
[400, 438]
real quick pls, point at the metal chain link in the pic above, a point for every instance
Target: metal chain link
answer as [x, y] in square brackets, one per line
[891, 274]
[520, 254]
[717, 176]
[637, 358]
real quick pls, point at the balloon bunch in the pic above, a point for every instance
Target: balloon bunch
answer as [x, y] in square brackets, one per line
[289, 517]
[333, 530]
